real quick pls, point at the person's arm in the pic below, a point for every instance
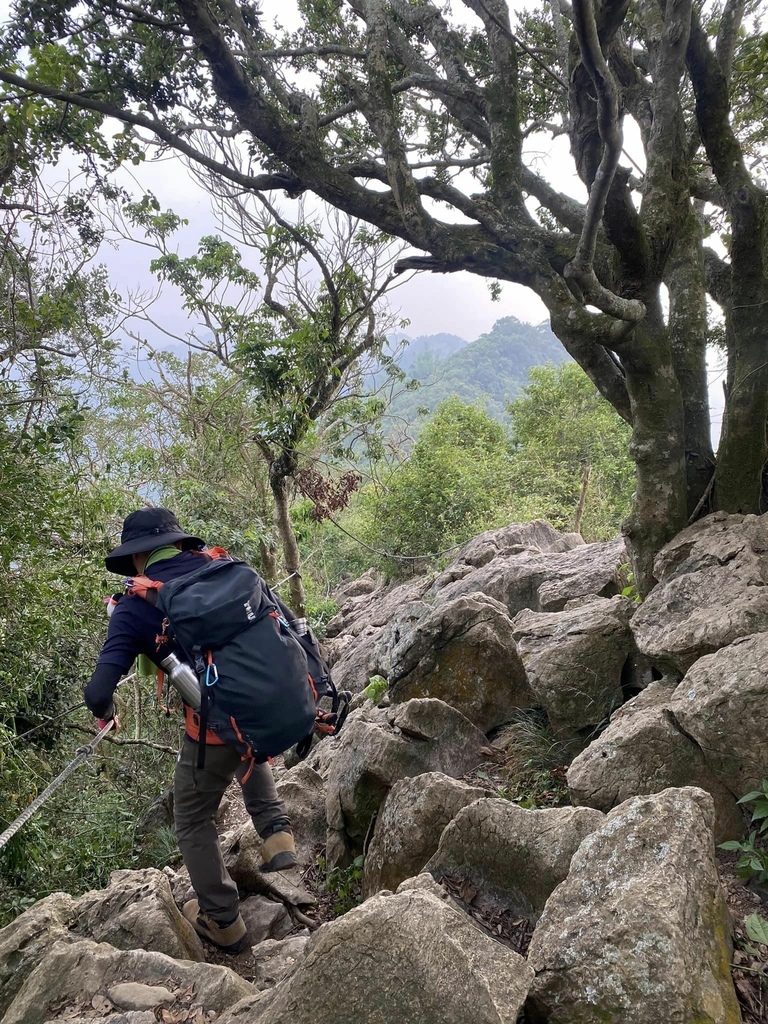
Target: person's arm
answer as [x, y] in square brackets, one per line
[99, 692]
[116, 657]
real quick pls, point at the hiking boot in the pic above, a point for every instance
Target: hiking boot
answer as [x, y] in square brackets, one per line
[232, 938]
[278, 851]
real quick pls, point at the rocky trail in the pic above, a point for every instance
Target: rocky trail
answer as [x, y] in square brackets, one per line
[534, 808]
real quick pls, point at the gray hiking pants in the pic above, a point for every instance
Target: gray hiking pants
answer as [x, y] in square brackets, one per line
[197, 793]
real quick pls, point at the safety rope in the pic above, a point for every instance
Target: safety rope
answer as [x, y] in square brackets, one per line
[80, 756]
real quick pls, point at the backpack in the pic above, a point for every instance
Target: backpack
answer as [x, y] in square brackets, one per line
[261, 682]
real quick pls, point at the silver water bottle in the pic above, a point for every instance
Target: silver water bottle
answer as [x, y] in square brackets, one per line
[184, 678]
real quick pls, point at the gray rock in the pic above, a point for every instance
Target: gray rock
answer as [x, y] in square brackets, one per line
[74, 972]
[535, 537]
[574, 660]
[137, 911]
[265, 919]
[713, 589]
[515, 856]
[131, 995]
[639, 930]
[722, 704]
[462, 652]
[409, 826]
[302, 790]
[710, 731]
[646, 751]
[543, 582]
[277, 959]
[406, 957]
[378, 749]
[26, 941]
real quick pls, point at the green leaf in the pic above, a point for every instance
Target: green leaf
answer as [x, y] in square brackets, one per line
[754, 795]
[732, 844]
[756, 928]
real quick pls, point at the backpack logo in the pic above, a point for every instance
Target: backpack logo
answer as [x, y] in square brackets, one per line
[250, 613]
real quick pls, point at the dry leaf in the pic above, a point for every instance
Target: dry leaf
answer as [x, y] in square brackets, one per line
[101, 1004]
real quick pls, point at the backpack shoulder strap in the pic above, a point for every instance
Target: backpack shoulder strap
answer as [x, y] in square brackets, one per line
[143, 586]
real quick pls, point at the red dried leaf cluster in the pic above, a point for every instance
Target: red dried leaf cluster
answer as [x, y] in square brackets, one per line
[328, 496]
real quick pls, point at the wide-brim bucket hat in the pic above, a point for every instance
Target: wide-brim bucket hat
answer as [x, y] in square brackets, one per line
[146, 530]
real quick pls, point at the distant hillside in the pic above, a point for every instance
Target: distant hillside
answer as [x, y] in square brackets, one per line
[493, 369]
[427, 350]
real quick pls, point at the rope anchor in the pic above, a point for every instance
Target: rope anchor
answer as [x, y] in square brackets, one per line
[80, 755]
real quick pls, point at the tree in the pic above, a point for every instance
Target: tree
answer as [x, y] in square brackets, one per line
[570, 462]
[392, 110]
[455, 483]
[293, 337]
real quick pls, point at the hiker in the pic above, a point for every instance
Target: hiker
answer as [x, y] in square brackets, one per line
[153, 545]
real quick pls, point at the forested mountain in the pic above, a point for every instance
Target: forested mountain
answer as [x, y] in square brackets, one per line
[492, 369]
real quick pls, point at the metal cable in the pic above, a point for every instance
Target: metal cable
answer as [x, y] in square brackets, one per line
[82, 753]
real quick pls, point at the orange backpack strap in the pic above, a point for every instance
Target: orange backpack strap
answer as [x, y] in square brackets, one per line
[143, 586]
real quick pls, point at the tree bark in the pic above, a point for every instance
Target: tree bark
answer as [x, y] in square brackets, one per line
[657, 446]
[268, 562]
[279, 481]
[688, 335]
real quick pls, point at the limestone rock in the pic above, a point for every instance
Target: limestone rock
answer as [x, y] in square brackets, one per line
[406, 957]
[463, 652]
[75, 972]
[646, 751]
[303, 792]
[131, 995]
[378, 749]
[542, 582]
[537, 536]
[25, 941]
[710, 731]
[639, 930]
[713, 589]
[265, 919]
[409, 826]
[276, 959]
[137, 911]
[514, 855]
[574, 660]
[722, 704]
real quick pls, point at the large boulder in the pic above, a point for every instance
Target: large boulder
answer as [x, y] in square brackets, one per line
[713, 589]
[407, 957]
[540, 581]
[574, 660]
[137, 911]
[462, 652]
[75, 972]
[535, 537]
[409, 826]
[639, 930]
[513, 855]
[709, 731]
[302, 790]
[25, 942]
[378, 748]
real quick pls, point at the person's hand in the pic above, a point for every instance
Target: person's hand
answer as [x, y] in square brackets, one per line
[102, 722]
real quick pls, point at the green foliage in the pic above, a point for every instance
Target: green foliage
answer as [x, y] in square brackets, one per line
[753, 855]
[627, 583]
[344, 886]
[535, 761]
[455, 484]
[759, 798]
[756, 928]
[376, 688]
[561, 428]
